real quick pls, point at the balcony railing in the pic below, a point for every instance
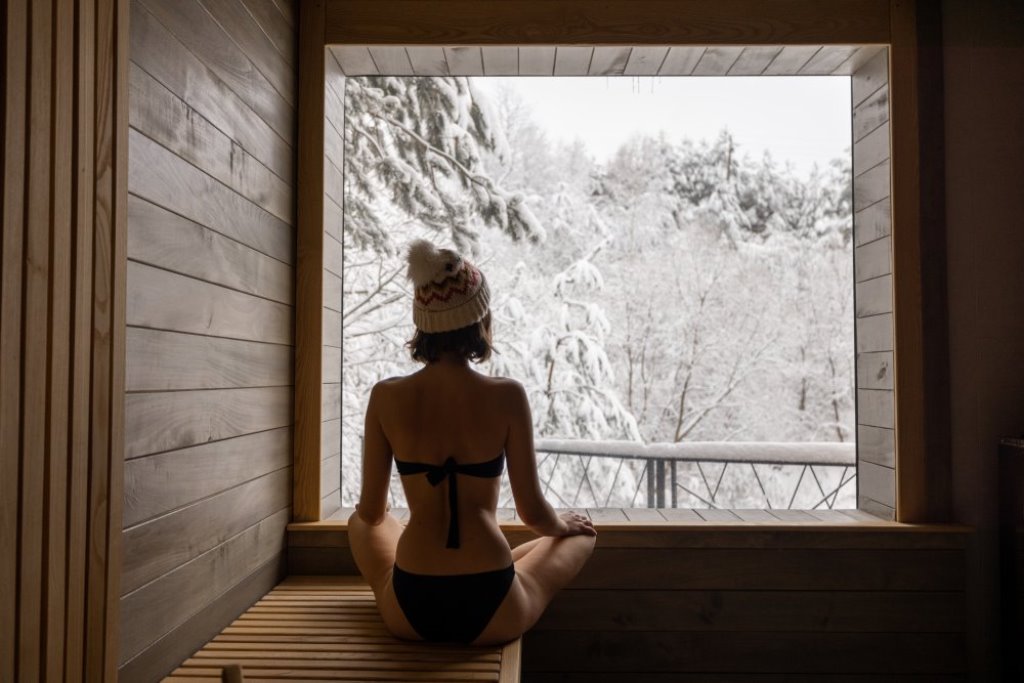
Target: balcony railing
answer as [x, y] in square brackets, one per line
[626, 474]
[821, 473]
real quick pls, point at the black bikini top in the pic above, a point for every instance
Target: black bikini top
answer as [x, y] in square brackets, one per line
[438, 473]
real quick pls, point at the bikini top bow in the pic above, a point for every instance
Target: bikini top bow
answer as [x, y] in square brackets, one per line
[449, 470]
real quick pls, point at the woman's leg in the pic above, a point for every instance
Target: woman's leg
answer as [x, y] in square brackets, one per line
[373, 548]
[547, 566]
[520, 550]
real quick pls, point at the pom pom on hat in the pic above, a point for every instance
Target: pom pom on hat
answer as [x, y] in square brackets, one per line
[427, 263]
[450, 292]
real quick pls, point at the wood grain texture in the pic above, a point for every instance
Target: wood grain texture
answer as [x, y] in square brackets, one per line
[919, 265]
[876, 445]
[874, 333]
[61, 334]
[871, 113]
[873, 222]
[873, 260]
[717, 61]
[164, 300]
[875, 408]
[165, 58]
[874, 296]
[922, 653]
[499, 60]
[827, 59]
[309, 326]
[164, 239]
[759, 611]
[167, 180]
[872, 149]
[428, 60]
[236, 19]
[154, 548]
[391, 61]
[875, 370]
[81, 390]
[164, 421]
[157, 484]
[35, 291]
[162, 116]
[161, 361]
[754, 60]
[685, 590]
[608, 61]
[791, 59]
[871, 186]
[193, 26]
[573, 61]
[157, 608]
[188, 637]
[577, 22]
[276, 24]
[464, 61]
[870, 77]
[15, 68]
[270, 640]
[536, 60]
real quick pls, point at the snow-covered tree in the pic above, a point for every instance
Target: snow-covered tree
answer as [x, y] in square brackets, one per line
[420, 140]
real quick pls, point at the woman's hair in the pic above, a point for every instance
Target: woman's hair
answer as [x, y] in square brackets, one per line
[472, 342]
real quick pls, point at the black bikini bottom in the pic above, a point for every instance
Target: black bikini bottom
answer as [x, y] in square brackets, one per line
[452, 607]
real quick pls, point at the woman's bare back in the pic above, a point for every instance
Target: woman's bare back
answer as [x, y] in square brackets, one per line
[440, 412]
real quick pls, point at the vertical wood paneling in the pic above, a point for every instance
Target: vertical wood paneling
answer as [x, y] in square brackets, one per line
[61, 336]
[210, 293]
[919, 264]
[15, 61]
[309, 323]
[59, 357]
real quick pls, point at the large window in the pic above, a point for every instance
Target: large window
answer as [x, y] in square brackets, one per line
[672, 264]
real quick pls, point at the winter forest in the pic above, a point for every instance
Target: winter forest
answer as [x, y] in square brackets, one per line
[679, 291]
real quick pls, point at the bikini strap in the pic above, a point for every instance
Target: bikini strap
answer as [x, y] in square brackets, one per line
[450, 471]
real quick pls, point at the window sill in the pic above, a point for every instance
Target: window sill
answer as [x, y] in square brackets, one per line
[644, 527]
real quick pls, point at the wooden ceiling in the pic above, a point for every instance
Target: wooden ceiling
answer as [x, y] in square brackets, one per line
[645, 60]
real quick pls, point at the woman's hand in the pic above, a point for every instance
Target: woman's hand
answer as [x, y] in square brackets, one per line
[577, 525]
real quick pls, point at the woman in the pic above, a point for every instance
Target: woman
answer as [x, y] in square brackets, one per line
[449, 574]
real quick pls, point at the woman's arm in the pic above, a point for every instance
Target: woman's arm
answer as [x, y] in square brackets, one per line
[533, 508]
[376, 463]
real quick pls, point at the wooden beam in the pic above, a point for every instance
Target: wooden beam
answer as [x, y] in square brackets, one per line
[583, 22]
[919, 266]
[309, 269]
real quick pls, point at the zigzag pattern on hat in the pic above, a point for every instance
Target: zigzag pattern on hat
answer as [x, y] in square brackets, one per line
[458, 284]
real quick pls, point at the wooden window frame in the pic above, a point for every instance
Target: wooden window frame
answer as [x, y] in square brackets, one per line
[908, 27]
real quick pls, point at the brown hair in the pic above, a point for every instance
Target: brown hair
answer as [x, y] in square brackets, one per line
[472, 342]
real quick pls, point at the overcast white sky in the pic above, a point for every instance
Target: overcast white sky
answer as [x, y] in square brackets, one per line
[801, 119]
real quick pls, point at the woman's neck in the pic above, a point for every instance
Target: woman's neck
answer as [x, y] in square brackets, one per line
[450, 360]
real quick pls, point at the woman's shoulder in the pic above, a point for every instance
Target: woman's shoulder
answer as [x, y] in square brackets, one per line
[510, 391]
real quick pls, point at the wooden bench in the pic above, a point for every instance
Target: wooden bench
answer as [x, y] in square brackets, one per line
[319, 628]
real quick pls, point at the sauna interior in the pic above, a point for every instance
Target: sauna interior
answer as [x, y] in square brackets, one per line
[170, 346]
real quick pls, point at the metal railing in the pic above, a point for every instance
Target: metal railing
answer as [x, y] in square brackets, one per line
[657, 468]
[663, 471]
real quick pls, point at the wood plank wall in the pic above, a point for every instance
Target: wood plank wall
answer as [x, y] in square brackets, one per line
[873, 294]
[334, 154]
[62, 336]
[210, 315]
[735, 602]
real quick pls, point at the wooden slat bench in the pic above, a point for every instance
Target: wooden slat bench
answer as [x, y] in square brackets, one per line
[327, 628]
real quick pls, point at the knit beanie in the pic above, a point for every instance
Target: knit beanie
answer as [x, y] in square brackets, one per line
[449, 291]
